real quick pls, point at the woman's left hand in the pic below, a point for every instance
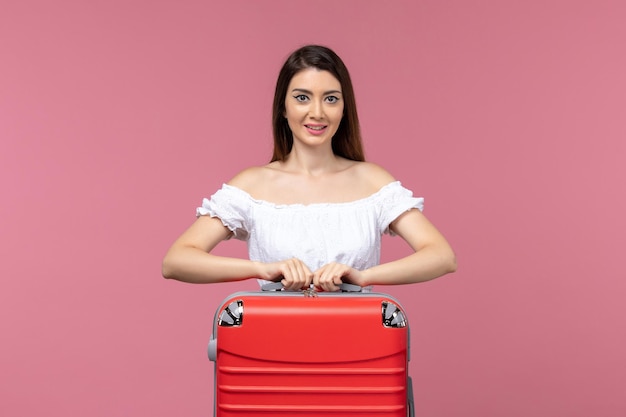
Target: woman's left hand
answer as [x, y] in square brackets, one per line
[332, 275]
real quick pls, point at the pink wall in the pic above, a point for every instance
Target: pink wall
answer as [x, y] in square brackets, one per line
[117, 117]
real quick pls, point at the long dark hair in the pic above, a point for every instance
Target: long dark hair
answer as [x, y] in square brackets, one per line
[347, 139]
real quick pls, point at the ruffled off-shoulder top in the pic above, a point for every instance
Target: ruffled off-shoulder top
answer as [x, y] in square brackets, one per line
[349, 233]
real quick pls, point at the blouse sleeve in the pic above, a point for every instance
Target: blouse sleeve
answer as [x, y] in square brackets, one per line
[394, 201]
[231, 206]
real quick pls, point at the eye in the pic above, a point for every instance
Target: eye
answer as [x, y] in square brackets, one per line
[301, 98]
[332, 99]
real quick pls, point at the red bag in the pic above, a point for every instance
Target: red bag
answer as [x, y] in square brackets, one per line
[286, 353]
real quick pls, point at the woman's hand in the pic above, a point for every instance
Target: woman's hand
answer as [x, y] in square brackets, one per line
[332, 275]
[292, 273]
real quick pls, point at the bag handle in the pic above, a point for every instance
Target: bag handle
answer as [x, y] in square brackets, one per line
[278, 286]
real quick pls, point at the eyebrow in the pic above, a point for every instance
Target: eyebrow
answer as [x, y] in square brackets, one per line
[302, 90]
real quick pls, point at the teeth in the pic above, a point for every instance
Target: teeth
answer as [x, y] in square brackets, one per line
[316, 127]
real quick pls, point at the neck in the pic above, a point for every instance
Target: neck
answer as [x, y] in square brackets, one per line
[312, 162]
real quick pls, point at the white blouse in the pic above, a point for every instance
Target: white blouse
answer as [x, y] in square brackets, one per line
[349, 233]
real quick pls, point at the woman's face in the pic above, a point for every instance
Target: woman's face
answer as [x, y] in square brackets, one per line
[313, 106]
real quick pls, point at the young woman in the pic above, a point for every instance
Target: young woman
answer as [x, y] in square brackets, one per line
[316, 213]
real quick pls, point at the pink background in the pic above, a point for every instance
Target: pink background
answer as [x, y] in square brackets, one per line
[117, 117]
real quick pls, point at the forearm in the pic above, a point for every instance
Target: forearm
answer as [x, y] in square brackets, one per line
[424, 265]
[194, 265]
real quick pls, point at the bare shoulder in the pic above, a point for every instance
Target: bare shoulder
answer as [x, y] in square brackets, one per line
[253, 178]
[374, 174]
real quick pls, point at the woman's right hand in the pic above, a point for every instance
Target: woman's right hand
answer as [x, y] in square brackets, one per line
[292, 273]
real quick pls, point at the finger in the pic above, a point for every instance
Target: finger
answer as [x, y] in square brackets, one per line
[320, 277]
[305, 275]
[338, 275]
[331, 280]
[298, 275]
[317, 277]
[288, 274]
[295, 279]
[336, 281]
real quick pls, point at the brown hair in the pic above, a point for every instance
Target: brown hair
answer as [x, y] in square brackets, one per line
[347, 139]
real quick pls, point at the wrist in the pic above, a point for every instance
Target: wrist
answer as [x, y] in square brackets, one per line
[365, 278]
[258, 270]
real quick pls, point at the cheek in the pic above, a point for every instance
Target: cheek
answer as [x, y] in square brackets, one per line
[289, 116]
[293, 112]
[339, 109]
[338, 114]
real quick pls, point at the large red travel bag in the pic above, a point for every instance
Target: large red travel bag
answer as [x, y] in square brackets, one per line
[284, 354]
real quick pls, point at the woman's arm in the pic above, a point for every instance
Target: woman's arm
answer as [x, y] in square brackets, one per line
[433, 255]
[189, 260]
[433, 258]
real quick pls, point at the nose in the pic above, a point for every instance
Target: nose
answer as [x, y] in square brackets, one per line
[316, 110]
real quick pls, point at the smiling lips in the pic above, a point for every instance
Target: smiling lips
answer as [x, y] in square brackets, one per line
[315, 129]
